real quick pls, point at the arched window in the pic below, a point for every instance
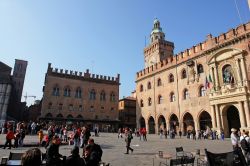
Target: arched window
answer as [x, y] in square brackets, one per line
[185, 94]
[66, 92]
[160, 99]
[172, 97]
[103, 96]
[55, 91]
[159, 82]
[202, 91]
[78, 93]
[149, 85]
[141, 103]
[171, 78]
[200, 69]
[112, 97]
[141, 88]
[149, 101]
[227, 74]
[92, 95]
[183, 74]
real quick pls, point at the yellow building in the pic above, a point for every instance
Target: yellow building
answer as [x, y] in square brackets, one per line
[205, 86]
[91, 99]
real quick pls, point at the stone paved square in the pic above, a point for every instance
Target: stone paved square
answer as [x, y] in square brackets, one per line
[144, 152]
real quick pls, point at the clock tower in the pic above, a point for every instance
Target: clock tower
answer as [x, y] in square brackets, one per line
[158, 49]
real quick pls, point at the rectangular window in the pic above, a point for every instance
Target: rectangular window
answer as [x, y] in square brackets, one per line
[91, 108]
[80, 108]
[71, 107]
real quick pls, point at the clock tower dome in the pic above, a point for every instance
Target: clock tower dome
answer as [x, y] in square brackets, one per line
[158, 49]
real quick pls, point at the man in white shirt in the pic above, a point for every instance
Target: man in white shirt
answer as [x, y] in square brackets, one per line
[234, 139]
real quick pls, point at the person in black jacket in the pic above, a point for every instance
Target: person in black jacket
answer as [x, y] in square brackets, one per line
[90, 157]
[52, 154]
[74, 159]
[97, 148]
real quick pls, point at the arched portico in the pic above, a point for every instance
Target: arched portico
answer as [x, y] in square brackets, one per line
[231, 119]
[188, 122]
[161, 122]
[205, 120]
[174, 122]
[151, 125]
[142, 122]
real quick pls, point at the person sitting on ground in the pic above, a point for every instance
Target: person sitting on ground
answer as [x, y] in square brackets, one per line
[90, 157]
[97, 148]
[31, 157]
[74, 159]
[52, 154]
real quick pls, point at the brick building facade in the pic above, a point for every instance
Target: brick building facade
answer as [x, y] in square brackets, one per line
[127, 112]
[81, 97]
[205, 86]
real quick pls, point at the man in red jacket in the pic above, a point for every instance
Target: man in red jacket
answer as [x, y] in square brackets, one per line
[9, 137]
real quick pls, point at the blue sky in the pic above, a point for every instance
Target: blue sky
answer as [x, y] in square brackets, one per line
[106, 37]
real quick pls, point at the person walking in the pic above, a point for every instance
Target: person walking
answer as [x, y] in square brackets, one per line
[234, 139]
[128, 138]
[9, 137]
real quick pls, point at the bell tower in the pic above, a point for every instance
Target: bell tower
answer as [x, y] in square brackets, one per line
[159, 48]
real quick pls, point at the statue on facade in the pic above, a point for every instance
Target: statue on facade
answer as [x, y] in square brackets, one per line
[227, 76]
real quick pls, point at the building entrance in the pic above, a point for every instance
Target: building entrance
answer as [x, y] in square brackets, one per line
[205, 121]
[151, 125]
[233, 119]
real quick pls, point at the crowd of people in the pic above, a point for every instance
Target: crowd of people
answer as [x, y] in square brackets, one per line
[79, 137]
[241, 141]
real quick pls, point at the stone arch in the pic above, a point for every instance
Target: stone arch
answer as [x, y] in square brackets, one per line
[79, 116]
[70, 116]
[48, 115]
[220, 52]
[188, 122]
[151, 125]
[205, 120]
[230, 118]
[142, 122]
[161, 122]
[59, 116]
[174, 122]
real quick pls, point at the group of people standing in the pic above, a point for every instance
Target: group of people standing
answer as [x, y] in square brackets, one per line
[241, 141]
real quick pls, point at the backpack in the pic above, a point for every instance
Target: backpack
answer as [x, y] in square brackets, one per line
[244, 144]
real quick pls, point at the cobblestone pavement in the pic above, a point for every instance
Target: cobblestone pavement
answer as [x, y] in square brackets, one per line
[144, 152]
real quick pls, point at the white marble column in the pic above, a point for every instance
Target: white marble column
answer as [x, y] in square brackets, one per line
[213, 77]
[242, 116]
[243, 70]
[239, 70]
[218, 119]
[213, 117]
[147, 127]
[216, 78]
[246, 108]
